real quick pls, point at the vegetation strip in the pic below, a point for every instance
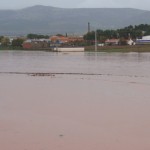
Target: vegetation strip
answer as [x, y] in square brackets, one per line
[63, 73]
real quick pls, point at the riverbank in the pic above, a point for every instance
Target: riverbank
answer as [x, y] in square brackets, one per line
[127, 48]
[124, 49]
[20, 48]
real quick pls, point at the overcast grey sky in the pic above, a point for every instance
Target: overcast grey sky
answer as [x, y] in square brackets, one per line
[13, 4]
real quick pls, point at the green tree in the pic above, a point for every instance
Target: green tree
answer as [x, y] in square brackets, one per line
[133, 32]
[5, 41]
[89, 36]
[1, 37]
[17, 42]
[37, 36]
[122, 41]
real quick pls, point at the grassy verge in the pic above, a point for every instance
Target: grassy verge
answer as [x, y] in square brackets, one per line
[10, 48]
[125, 49]
[20, 48]
[135, 48]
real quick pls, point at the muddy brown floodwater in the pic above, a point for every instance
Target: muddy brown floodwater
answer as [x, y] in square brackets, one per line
[74, 101]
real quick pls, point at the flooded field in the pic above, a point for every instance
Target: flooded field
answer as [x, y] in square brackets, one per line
[74, 101]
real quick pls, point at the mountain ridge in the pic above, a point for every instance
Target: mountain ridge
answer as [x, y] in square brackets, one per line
[53, 20]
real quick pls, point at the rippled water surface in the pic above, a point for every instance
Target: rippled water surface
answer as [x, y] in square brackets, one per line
[97, 63]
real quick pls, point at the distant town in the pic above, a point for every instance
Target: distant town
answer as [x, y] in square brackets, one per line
[131, 35]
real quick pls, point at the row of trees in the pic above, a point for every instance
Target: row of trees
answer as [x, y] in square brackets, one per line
[124, 33]
[5, 41]
[37, 36]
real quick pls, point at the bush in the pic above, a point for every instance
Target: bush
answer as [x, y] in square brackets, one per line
[17, 42]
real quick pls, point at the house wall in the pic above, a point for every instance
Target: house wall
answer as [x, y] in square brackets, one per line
[35, 45]
[27, 45]
[144, 40]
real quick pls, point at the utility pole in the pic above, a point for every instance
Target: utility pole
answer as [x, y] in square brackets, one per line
[95, 40]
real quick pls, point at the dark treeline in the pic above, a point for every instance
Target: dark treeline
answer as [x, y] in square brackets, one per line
[133, 32]
[37, 36]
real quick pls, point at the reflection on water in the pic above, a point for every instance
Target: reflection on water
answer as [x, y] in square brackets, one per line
[88, 62]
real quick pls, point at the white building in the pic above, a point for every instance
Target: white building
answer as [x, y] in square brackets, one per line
[143, 40]
[130, 42]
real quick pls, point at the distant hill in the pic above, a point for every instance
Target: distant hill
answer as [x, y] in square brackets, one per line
[52, 20]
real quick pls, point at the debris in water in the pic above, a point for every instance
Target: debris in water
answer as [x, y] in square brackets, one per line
[61, 135]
